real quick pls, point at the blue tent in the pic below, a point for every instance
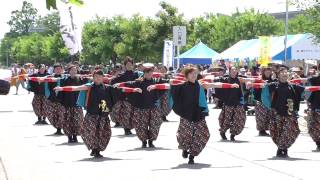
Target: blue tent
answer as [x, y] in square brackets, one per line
[199, 54]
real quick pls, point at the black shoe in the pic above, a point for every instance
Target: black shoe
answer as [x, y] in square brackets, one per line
[185, 154]
[263, 133]
[117, 125]
[232, 137]
[285, 153]
[98, 155]
[75, 139]
[191, 161]
[223, 136]
[144, 144]
[58, 133]
[93, 152]
[127, 132]
[70, 140]
[318, 146]
[44, 122]
[279, 153]
[150, 144]
[282, 153]
[39, 121]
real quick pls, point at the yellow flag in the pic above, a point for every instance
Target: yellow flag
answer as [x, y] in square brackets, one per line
[265, 46]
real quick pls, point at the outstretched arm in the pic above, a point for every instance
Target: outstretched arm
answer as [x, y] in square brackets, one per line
[299, 80]
[219, 85]
[255, 85]
[312, 88]
[130, 90]
[163, 86]
[71, 88]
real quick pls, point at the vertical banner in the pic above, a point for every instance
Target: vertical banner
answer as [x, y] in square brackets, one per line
[68, 29]
[167, 58]
[265, 47]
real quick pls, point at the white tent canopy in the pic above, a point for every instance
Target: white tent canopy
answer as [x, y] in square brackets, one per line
[300, 46]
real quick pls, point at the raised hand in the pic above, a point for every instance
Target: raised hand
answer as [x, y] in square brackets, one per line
[151, 87]
[138, 90]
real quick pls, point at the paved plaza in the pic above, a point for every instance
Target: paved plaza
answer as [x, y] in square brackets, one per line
[30, 152]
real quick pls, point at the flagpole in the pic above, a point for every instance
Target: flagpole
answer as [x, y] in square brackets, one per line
[286, 32]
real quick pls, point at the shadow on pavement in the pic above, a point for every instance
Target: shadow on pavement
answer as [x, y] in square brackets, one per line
[6, 111]
[41, 125]
[237, 141]
[25, 111]
[192, 166]
[70, 144]
[196, 166]
[124, 136]
[288, 159]
[148, 149]
[99, 159]
[55, 135]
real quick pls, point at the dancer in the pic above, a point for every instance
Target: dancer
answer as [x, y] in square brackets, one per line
[233, 115]
[39, 99]
[54, 106]
[189, 102]
[97, 99]
[72, 114]
[263, 114]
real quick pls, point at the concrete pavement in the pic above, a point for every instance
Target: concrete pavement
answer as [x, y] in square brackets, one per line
[30, 152]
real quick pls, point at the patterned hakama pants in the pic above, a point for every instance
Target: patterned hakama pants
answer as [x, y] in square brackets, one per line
[38, 104]
[96, 131]
[72, 117]
[193, 136]
[54, 113]
[314, 126]
[147, 123]
[164, 105]
[233, 118]
[284, 130]
[122, 113]
[263, 117]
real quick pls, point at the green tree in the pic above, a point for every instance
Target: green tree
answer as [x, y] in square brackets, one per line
[311, 20]
[50, 23]
[220, 32]
[300, 24]
[166, 18]
[55, 49]
[5, 47]
[22, 20]
[136, 42]
[99, 39]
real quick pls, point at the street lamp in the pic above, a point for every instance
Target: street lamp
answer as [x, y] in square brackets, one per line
[286, 32]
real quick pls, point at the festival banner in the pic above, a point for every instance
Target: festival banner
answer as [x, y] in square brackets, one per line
[265, 47]
[167, 59]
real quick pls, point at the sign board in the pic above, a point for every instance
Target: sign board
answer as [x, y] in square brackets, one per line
[179, 35]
